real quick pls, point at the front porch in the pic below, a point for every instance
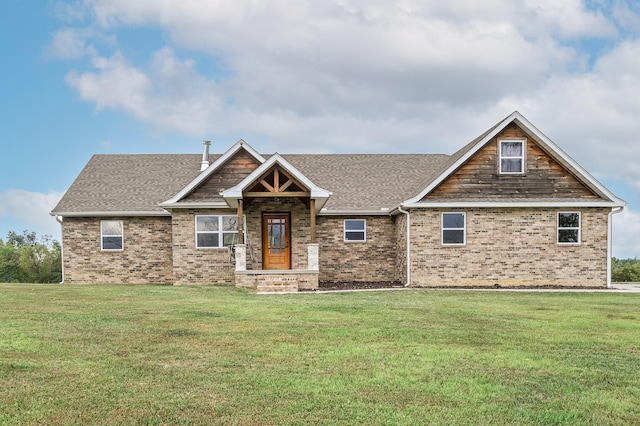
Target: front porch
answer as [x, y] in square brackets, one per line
[273, 280]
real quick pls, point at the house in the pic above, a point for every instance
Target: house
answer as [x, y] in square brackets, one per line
[508, 209]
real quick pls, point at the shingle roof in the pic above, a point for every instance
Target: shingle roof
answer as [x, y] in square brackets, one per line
[138, 183]
[128, 183]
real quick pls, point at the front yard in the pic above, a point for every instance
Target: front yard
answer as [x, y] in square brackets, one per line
[218, 355]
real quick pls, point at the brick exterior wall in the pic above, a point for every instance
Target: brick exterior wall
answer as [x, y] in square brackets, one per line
[146, 258]
[371, 261]
[509, 247]
[198, 266]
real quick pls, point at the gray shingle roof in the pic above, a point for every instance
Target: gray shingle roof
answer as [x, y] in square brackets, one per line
[128, 183]
[137, 183]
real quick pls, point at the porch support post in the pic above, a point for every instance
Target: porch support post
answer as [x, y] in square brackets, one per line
[313, 258]
[240, 224]
[312, 219]
[241, 257]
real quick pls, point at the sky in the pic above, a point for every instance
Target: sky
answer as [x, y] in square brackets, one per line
[306, 76]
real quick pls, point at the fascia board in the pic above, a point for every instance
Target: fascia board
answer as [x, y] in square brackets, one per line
[213, 167]
[461, 160]
[113, 213]
[381, 212]
[191, 205]
[501, 204]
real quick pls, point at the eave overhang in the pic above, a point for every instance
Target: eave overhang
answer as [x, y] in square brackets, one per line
[514, 204]
[109, 213]
[195, 205]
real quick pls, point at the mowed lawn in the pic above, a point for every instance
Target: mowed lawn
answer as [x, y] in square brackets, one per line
[219, 355]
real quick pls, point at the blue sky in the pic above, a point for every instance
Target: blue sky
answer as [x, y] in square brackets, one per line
[118, 76]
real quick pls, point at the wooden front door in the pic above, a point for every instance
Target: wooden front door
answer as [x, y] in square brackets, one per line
[276, 253]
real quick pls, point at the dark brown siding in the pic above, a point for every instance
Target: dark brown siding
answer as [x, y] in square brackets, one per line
[543, 178]
[229, 175]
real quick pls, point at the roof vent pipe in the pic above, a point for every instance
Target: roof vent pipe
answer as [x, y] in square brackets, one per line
[205, 155]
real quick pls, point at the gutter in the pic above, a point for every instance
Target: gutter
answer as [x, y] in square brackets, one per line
[610, 242]
[399, 208]
[59, 220]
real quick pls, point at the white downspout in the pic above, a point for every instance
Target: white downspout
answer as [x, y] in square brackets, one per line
[59, 220]
[408, 245]
[610, 243]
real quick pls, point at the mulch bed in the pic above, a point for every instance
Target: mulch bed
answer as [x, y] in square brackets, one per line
[326, 286]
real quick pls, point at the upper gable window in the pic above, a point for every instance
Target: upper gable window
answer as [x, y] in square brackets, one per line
[355, 230]
[511, 157]
[111, 235]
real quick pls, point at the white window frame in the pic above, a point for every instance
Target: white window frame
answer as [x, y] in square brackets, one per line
[570, 228]
[220, 232]
[517, 157]
[103, 235]
[349, 231]
[463, 229]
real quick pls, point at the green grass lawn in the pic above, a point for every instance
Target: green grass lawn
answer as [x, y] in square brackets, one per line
[219, 355]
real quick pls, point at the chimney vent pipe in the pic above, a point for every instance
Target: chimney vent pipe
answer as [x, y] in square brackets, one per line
[205, 155]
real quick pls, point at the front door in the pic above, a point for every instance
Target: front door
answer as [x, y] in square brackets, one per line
[275, 241]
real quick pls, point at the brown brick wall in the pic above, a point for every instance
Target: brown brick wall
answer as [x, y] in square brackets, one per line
[198, 266]
[509, 247]
[371, 261]
[146, 257]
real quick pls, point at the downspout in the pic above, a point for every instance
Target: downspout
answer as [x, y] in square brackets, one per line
[408, 245]
[610, 243]
[59, 220]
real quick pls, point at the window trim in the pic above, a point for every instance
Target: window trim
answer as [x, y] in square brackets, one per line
[522, 158]
[220, 231]
[578, 228]
[464, 230]
[345, 231]
[103, 235]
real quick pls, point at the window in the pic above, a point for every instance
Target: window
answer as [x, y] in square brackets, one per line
[355, 230]
[511, 157]
[111, 235]
[454, 229]
[216, 231]
[569, 228]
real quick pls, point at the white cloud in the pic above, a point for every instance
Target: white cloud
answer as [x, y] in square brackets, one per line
[30, 210]
[626, 229]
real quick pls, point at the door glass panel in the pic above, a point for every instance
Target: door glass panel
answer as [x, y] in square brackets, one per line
[276, 235]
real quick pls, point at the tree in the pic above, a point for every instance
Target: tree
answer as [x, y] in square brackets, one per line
[625, 270]
[27, 258]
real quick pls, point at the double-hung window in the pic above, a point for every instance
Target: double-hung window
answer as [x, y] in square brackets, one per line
[454, 229]
[216, 231]
[569, 228]
[355, 230]
[511, 157]
[111, 235]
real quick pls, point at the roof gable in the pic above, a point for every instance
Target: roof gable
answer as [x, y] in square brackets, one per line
[574, 180]
[216, 167]
[232, 195]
